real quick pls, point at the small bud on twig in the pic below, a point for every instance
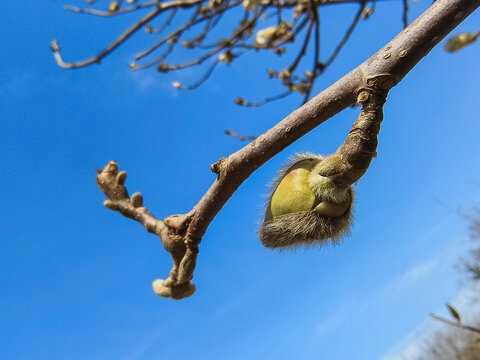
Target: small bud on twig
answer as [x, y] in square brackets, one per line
[121, 177]
[54, 46]
[110, 205]
[137, 200]
[239, 101]
[114, 5]
[163, 67]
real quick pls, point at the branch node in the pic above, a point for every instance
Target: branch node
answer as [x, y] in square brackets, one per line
[220, 167]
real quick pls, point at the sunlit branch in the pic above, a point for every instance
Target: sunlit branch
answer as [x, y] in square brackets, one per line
[182, 234]
[239, 137]
[151, 30]
[112, 13]
[229, 43]
[96, 59]
[200, 81]
[240, 101]
[168, 51]
[188, 25]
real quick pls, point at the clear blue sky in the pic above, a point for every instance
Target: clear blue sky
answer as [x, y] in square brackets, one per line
[76, 278]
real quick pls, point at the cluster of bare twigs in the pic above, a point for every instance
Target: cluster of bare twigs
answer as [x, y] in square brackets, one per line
[262, 25]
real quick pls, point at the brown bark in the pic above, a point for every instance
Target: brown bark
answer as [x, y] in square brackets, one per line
[392, 62]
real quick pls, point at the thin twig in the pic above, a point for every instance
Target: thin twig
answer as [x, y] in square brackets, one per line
[201, 80]
[239, 137]
[151, 30]
[347, 35]
[405, 13]
[180, 30]
[111, 13]
[303, 50]
[229, 43]
[96, 59]
[265, 101]
[456, 324]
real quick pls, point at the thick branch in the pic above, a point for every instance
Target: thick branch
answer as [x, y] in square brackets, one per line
[396, 59]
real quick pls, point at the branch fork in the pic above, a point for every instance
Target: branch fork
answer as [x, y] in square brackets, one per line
[171, 231]
[367, 84]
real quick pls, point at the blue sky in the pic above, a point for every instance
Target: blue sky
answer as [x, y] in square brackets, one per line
[76, 277]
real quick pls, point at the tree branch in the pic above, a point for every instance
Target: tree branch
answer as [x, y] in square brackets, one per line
[382, 71]
[111, 13]
[120, 40]
[456, 324]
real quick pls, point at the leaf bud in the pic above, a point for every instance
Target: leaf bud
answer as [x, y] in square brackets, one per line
[309, 75]
[163, 67]
[459, 41]
[188, 44]
[110, 205]
[366, 13]
[54, 46]
[121, 177]
[226, 57]
[239, 101]
[272, 73]
[114, 6]
[285, 74]
[250, 4]
[137, 200]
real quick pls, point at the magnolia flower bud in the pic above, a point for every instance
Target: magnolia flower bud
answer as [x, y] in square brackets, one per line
[305, 207]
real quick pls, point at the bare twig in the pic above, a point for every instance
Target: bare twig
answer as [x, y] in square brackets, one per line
[239, 137]
[151, 30]
[211, 12]
[111, 13]
[405, 13]
[200, 81]
[120, 40]
[186, 26]
[456, 324]
[96, 59]
[347, 35]
[240, 101]
[170, 230]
